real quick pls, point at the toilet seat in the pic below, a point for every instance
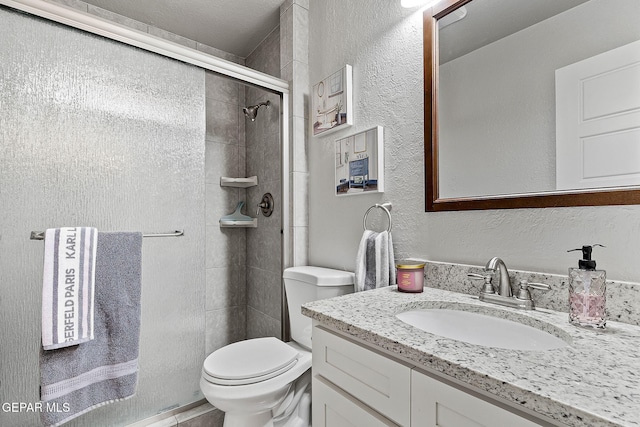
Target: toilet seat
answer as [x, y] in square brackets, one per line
[249, 362]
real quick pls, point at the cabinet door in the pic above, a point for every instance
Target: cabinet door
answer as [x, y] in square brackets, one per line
[333, 407]
[370, 377]
[435, 404]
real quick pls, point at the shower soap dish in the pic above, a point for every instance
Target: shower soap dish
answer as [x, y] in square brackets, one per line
[238, 219]
[251, 181]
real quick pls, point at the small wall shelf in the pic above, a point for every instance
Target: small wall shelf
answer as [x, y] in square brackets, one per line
[239, 224]
[238, 219]
[251, 181]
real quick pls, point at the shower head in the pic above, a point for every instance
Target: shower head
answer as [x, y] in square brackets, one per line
[252, 112]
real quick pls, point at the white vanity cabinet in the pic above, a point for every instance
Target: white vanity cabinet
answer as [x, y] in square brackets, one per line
[357, 385]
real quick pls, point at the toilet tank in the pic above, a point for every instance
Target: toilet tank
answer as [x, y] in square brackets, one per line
[305, 284]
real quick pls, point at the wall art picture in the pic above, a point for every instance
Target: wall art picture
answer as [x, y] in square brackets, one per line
[360, 163]
[331, 103]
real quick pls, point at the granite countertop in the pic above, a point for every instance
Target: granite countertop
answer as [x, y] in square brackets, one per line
[595, 381]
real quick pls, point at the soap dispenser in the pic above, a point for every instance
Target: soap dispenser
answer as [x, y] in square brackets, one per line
[587, 292]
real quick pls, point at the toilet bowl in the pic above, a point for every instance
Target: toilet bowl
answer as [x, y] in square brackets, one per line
[249, 398]
[264, 382]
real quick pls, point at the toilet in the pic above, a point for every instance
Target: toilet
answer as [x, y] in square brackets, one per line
[264, 382]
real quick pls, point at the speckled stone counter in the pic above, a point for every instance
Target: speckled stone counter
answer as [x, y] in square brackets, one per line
[594, 381]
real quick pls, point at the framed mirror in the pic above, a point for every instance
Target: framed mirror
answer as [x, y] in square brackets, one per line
[531, 103]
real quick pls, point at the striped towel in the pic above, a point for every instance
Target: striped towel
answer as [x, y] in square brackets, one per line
[81, 378]
[68, 286]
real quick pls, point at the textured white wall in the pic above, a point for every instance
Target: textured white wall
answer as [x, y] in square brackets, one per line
[383, 43]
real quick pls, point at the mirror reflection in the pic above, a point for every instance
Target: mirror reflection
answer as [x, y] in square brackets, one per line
[538, 96]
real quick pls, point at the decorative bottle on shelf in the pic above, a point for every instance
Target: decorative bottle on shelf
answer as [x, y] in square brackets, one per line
[587, 292]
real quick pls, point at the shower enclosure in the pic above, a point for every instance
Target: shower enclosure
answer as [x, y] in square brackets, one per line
[102, 126]
[244, 272]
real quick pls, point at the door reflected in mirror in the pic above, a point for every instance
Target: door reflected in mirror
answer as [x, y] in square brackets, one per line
[537, 103]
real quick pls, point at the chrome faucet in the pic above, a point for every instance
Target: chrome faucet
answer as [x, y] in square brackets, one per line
[504, 295]
[505, 283]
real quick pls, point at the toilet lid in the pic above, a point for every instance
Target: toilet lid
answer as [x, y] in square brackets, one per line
[244, 362]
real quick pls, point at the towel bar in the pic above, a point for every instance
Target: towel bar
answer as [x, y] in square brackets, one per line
[39, 235]
[385, 207]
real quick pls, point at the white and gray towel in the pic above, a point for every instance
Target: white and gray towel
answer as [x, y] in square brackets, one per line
[77, 379]
[68, 286]
[375, 266]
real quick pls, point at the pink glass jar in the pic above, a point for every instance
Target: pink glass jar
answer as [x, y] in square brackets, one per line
[410, 276]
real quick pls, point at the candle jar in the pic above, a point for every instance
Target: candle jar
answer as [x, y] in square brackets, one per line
[410, 276]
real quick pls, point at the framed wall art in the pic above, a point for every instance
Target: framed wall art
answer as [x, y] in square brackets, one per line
[360, 163]
[331, 103]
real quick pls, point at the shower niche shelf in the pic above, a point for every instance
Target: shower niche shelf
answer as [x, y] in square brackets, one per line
[239, 224]
[251, 181]
[237, 219]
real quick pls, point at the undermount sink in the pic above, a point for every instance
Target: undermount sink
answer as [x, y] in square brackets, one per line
[481, 329]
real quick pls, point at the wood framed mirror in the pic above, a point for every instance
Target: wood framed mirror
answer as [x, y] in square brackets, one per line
[540, 99]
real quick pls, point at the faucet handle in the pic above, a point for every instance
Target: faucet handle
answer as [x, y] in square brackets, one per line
[487, 287]
[524, 293]
[541, 286]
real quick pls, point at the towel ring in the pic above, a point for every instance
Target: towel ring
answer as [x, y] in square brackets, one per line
[385, 207]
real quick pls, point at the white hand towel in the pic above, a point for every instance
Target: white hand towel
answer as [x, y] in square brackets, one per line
[375, 265]
[68, 286]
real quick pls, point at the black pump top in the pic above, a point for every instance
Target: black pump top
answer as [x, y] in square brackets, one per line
[586, 263]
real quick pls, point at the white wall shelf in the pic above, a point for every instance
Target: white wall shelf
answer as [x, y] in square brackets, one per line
[238, 219]
[239, 224]
[251, 181]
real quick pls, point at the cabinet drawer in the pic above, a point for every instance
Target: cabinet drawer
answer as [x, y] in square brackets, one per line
[379, 382]
[436, 404]
[335, 408]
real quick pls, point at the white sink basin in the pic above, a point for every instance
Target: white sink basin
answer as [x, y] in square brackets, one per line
[480, 329]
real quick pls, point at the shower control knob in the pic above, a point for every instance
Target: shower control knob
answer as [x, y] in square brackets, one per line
[266, 205]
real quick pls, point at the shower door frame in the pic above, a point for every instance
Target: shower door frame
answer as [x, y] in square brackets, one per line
[111, 30]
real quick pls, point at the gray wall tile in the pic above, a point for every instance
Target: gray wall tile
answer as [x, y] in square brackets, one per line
[226, 287]
[222, 121]
[224, 326]
[260, 325]
[264, 291]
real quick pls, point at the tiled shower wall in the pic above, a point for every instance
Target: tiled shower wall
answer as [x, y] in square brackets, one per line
[264, 244]
[225, 247]
[284, 53]
[244, 266]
